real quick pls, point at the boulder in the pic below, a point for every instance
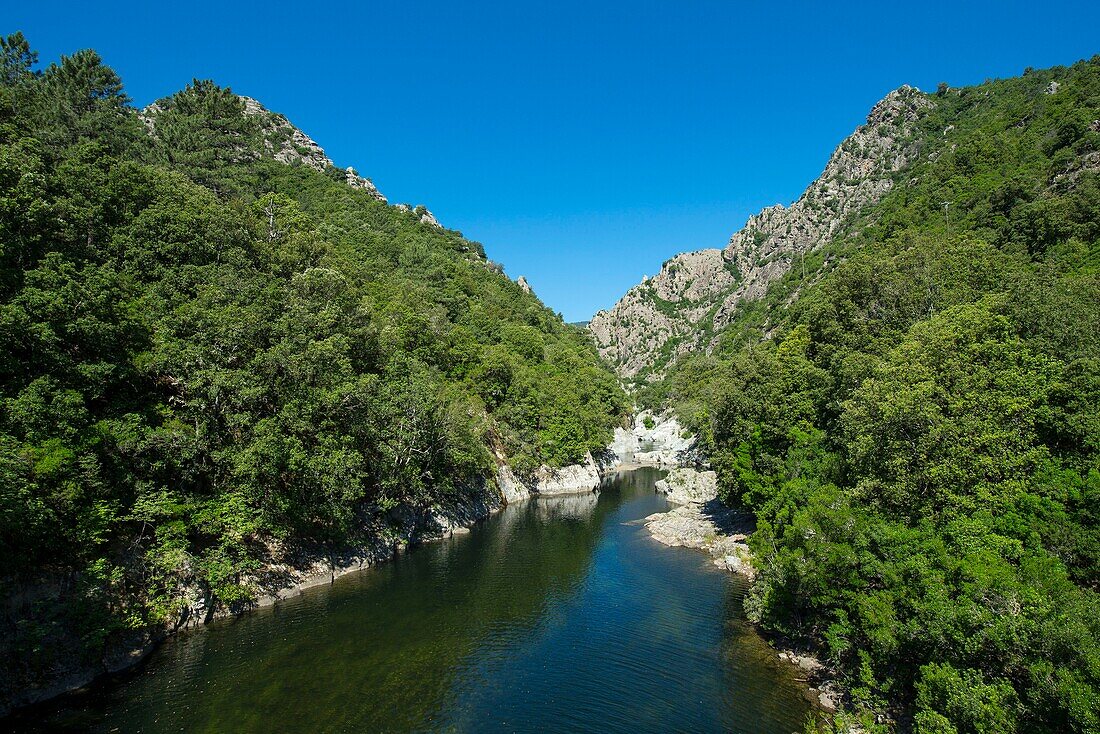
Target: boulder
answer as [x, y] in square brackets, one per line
[547, 481]
[685, 486]
[568, 479]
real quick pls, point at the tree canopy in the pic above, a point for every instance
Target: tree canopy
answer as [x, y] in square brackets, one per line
[915, 423]
[207, 351]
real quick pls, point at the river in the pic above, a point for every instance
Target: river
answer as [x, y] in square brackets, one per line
[558, 614]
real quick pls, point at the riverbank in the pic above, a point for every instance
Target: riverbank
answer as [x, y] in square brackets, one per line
[504, 629]
[701, 521]
[290, 569]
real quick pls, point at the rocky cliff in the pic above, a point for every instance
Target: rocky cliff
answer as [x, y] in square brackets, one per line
[287, 144]
[284, 142]
[694, 295]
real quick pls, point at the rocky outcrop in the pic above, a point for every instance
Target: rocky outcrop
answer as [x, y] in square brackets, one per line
[548, 482]
[422, 214]
[654, 439]
[695, 294]
[523, 284]
[659, 440]
[512, 489]
[702, 521]
[826, 692]
[287, 144]
[688, 486]
[569, 479]
[659, 309]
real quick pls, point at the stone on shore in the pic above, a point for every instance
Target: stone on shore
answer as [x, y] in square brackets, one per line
[684, 486]
[547, 482]
[702, 521]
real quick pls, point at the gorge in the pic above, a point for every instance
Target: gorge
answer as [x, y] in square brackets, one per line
[275, 452]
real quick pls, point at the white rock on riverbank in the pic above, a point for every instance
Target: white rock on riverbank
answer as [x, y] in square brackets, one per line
[701, 521]
[685, 486]
[660, 442]
[547, 482]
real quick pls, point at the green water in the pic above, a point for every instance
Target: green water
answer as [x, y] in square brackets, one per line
[553, 615]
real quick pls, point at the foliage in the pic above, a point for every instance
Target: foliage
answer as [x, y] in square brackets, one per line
[208, 352]
[919, 437]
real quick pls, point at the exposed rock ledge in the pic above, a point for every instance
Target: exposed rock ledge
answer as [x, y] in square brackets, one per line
[548, 482]
[702, 521]
[654, 439]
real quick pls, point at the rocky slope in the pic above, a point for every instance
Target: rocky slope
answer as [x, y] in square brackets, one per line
[287, 144]
[695, 293]
[701, 521]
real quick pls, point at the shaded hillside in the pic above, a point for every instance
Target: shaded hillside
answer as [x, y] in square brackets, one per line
[217, 343]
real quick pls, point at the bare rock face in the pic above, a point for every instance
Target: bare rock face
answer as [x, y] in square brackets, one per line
[858, 173]
[287, 144]
[511, 488]
[547, 482]
[685, 486]
[523, 284]
[695, 294]
[660, 309]
[569, 479]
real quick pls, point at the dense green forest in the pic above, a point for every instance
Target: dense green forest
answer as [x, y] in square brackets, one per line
[206, 351]
[918, 435]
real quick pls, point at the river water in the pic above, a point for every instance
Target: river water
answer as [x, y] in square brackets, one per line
[557, 614]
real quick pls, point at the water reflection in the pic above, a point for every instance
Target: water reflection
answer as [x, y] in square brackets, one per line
[555, 614]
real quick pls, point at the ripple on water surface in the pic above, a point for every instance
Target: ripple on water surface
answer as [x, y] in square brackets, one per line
[554, 615]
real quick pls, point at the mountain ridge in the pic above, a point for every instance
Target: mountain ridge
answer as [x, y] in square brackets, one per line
[694, 294]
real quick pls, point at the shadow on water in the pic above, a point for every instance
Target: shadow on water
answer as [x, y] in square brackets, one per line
[555, 614]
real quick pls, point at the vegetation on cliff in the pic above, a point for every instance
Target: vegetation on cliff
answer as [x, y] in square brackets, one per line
[913, 415]
[207, 351]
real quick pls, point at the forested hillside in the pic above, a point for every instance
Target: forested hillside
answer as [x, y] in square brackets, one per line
[913, 416]
[208, 352]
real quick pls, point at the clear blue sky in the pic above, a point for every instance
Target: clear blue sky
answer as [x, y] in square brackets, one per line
[583, 143]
